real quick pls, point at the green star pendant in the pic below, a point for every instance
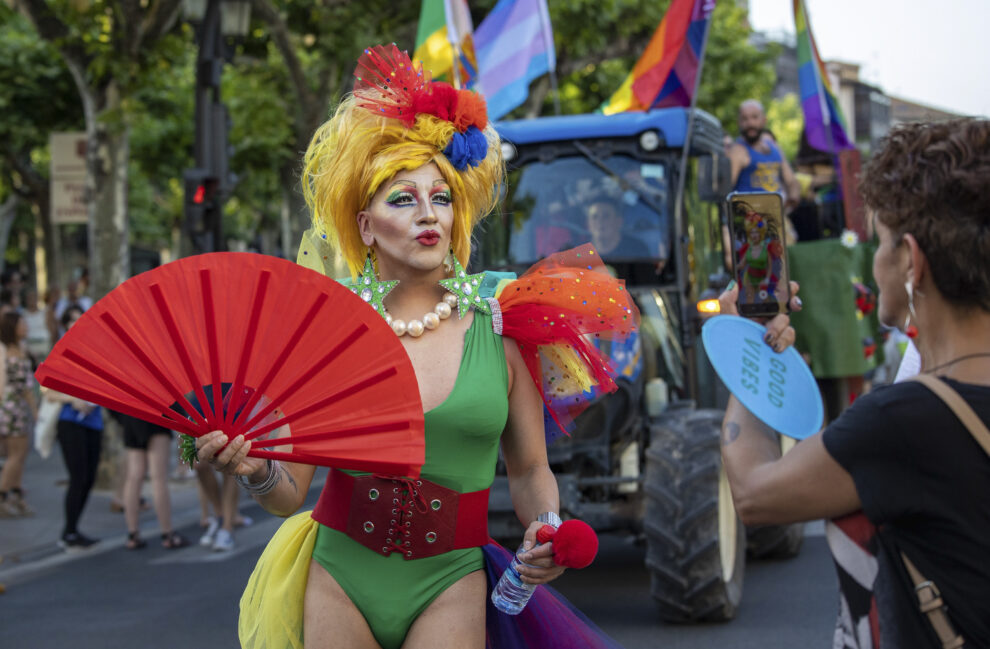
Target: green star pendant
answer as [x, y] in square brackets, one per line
[465, 287]
[372, 290]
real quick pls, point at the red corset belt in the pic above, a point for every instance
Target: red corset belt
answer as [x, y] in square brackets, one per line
[414, 517]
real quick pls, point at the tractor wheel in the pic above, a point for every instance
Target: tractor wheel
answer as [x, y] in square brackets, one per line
[696, 546]
[775, 541]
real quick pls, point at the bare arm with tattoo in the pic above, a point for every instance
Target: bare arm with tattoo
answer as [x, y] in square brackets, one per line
[805, 484]
[294, 479]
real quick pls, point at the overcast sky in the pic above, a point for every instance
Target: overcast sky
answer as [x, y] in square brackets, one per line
[933, 52]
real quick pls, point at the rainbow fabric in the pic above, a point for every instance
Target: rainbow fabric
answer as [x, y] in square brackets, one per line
[515, 46]
[443, 24]
[666, 73]
[824, 124]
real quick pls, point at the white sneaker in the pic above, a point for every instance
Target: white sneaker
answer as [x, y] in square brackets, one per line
[211, 532]
[224, 541]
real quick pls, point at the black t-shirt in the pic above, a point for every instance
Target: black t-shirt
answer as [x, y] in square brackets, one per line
[925, 483]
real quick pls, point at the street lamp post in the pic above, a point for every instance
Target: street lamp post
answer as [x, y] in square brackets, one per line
[208, 184]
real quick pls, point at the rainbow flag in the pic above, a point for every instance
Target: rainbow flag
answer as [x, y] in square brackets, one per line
[824, 124]
[444, 39]
[666, 73]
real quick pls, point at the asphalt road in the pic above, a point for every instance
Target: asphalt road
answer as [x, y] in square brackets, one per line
[188, 598]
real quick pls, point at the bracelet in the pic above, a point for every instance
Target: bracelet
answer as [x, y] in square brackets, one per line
[549, 518]
[267, 485]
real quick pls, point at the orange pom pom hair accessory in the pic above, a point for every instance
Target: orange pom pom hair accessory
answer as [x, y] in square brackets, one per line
[397, 119]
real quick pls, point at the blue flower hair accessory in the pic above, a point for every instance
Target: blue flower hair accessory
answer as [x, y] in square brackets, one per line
[467, 149]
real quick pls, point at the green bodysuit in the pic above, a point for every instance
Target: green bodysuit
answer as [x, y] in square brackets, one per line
[462, 438]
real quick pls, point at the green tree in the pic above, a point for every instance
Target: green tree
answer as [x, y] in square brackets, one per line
[37, 97]
[309, 48]
[107, 45]
[785, 119]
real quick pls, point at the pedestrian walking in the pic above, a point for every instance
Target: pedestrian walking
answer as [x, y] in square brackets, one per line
[148, 452]
[221, 497]
[17, 412]
[80, 436]
[905, 471]
[39, 341]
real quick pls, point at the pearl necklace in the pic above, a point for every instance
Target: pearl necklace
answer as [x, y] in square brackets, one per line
[431, 320]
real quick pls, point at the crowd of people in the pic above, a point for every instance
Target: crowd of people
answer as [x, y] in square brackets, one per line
[28, 331]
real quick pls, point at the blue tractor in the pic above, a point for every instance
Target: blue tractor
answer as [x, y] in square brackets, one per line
[645, 459]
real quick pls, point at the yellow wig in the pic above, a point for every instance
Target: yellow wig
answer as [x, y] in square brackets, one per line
[357, 150]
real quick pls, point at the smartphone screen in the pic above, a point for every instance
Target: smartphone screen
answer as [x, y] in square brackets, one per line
[759, 258]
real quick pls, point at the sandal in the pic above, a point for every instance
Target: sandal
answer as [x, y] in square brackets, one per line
[174, 541]
[134, 541]
[117, 507]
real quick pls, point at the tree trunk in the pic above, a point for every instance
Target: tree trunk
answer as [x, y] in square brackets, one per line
[8, 212]
[49, 236]
[107, 155]
[109, 253]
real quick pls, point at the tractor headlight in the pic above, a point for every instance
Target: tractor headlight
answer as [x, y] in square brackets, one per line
[508, 151]
[649, 140]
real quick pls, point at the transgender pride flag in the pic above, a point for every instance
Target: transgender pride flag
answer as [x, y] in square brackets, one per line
[514, 45]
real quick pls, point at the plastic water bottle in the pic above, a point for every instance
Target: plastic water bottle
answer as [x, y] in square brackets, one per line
[511, 593]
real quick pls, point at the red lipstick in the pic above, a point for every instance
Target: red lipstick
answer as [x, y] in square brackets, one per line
[428, 238]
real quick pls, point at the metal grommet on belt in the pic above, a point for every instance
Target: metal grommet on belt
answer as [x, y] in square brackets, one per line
[369, 527]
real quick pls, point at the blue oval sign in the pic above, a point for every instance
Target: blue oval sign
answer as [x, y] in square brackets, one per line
[778, 389]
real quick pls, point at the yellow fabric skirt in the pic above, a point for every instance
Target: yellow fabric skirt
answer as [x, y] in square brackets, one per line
[272, 603]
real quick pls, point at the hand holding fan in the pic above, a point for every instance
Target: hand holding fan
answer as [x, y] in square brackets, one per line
[246, 344]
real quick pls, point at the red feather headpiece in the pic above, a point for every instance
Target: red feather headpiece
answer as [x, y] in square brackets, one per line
[390, 84]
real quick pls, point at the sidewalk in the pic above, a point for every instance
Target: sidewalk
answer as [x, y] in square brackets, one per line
[33, 540]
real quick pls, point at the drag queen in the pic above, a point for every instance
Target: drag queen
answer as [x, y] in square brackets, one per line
[396, 180]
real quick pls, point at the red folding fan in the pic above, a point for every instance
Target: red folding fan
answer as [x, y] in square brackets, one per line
[246, 344]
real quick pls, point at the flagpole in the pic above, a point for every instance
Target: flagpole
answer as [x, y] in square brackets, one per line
[680, 258]
[551, 64]
[455, 69]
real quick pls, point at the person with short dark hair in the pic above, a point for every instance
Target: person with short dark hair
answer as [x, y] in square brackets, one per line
[17, 411]
[605, 221]
[899, 475]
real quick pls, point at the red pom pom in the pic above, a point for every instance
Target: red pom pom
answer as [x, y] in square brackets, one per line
[575, 544]
[441, 101]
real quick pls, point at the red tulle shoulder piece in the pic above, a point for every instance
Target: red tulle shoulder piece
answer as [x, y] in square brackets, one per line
[389, 83]
[567, 299]
[575, 543]
[248, 344]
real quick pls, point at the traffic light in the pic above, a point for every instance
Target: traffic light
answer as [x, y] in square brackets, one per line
[202, 210]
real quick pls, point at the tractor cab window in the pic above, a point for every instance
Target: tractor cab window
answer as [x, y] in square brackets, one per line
[556, 205]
